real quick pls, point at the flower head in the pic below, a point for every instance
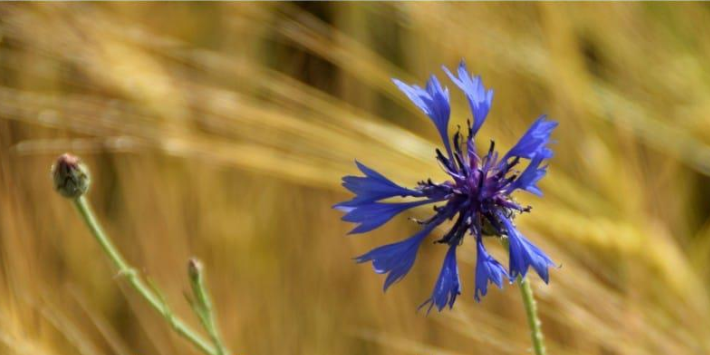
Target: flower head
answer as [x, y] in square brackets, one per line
[70, 176]
[476, 197]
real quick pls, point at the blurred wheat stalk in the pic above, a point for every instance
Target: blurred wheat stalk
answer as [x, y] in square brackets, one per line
[246, 115]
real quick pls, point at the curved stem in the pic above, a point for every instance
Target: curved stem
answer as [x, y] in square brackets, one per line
[533, 319]
[136, 282]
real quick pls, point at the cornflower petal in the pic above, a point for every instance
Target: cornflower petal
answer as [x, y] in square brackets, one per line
[479, 99]
[534, 140]
[448, 286]
[434, 102]
[372, 187]
[373, 215]
[396, 259]
[531, 175]
[488, 270]
[524, 254]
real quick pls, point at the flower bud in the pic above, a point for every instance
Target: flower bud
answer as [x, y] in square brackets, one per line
[71, 178]
[194, 269]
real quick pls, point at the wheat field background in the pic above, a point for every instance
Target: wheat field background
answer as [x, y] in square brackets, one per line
[221, 130]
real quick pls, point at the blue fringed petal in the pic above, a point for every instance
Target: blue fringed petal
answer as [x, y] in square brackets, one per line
[396, 259]
[534, 140]
[488, 270]
[531, 175]
[372, 215]
[479, 99]
[524, 254]
[448, 286]
[434, 102]
[372, 187]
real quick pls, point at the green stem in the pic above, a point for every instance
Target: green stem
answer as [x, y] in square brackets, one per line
[533, 320]
[136, 282]
[203, 306]
[530, 305]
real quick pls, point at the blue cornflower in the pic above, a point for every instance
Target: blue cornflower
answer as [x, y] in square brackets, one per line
[477, 198]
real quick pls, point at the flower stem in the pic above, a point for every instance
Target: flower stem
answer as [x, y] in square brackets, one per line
[202, 305]
[124, 269]
[533, 319]
[530, 305]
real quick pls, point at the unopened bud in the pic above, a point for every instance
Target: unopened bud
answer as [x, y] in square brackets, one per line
[71, 178]
[194, 269]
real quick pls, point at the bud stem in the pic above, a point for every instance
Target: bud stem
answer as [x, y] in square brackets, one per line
[202, 305]
[124, 269]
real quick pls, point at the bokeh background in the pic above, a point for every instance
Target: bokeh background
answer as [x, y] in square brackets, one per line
[221, 130]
